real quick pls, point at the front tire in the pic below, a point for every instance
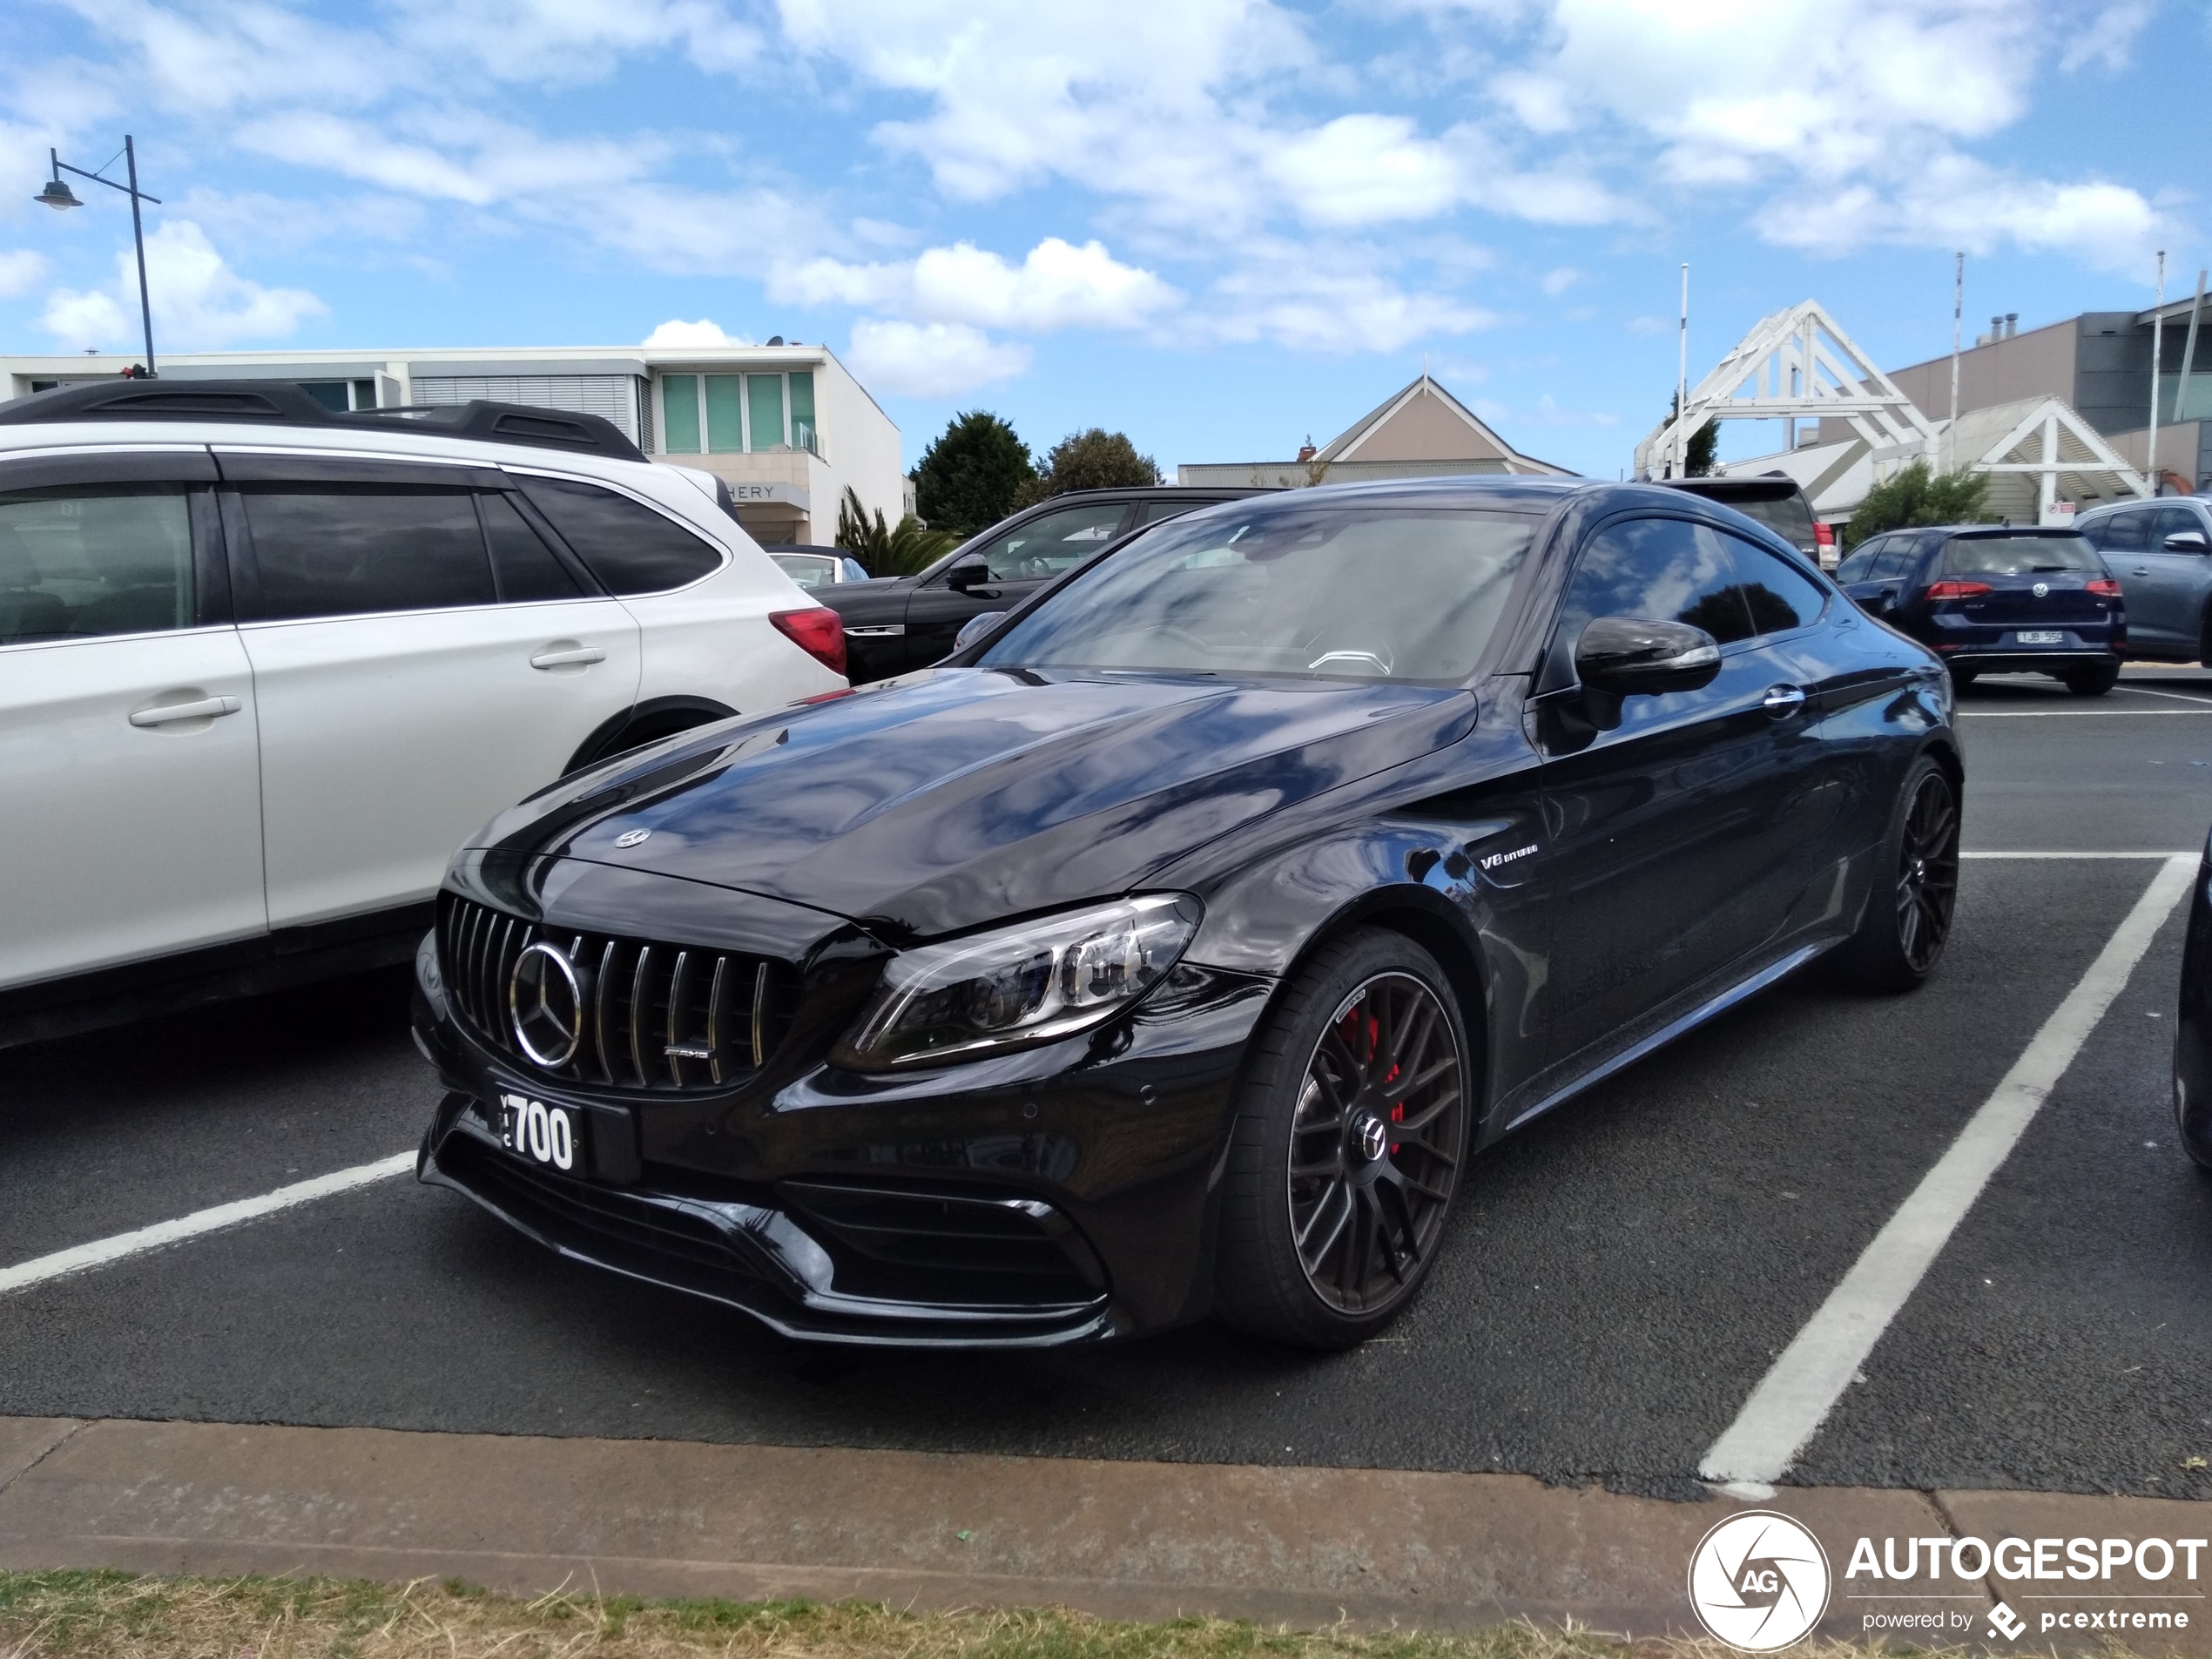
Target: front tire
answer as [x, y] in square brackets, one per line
[2091, 682]
[1353, 1124]
[1907, 920]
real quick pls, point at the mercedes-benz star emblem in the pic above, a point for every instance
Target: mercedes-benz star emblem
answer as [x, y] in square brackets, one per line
[1374, 1139]
[545, 1002]
[630, 838]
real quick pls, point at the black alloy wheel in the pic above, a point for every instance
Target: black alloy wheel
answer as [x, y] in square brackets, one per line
[2092, 682]
[1907, 920]
[1349, 1143]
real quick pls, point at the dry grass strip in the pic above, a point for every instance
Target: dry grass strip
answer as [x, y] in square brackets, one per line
[115, 1615]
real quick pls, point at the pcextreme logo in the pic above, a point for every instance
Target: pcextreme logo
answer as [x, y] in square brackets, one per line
[1759, 1582]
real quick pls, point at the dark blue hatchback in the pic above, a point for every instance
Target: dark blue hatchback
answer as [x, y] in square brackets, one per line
[1992, 598]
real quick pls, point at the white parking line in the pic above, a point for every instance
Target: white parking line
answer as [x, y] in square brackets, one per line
[2179, 696]
[100, 1253]
[1796, 1394]
[2077, 855]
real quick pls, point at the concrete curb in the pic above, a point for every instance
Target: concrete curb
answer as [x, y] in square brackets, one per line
[1122, 1539]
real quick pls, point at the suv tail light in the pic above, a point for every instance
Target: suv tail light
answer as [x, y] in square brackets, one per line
[819, 632]
[2104, 585]
[1957, 589]
[1823, 536]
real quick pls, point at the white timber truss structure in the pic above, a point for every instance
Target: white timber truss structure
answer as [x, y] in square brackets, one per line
[1795, 365]
[1798, 365]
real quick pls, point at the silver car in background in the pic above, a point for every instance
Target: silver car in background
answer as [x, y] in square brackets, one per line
[2161, 551]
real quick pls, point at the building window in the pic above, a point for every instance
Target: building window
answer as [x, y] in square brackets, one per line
[764, 411]
[725, 418]
[679, 399]
[802, 412]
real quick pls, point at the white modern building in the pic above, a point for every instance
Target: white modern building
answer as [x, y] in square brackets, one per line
[786, 425]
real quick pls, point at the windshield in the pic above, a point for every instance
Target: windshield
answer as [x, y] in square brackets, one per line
[1790, 518]
[1325, 591]
[807, 569]
[2019, 555]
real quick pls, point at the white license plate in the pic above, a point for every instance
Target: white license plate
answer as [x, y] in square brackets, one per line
[2041, 636]
[548, 1135]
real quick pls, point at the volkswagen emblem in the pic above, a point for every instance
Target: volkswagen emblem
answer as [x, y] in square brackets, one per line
[545, 1002]
[2042, 590]
[630, 838]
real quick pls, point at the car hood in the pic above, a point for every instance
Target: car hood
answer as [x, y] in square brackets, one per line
[963, 796]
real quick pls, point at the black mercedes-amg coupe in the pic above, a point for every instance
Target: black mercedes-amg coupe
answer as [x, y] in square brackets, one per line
[1172, 949]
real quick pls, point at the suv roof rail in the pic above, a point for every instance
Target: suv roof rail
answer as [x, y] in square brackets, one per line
[281, 403]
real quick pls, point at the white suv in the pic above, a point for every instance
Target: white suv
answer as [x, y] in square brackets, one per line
[264, 668]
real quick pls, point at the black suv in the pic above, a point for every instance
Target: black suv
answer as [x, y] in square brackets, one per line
[899, 623]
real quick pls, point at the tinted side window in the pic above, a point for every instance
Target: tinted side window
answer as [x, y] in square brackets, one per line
[524, 565]
[1855, 568]
[630, 548]
[1780, 596]
[1895, 558]
[2174, 520]
[1052, 542]
[1659, 568]
[2124, 532]
[339, 549]
[82, 560]
[1151, 512]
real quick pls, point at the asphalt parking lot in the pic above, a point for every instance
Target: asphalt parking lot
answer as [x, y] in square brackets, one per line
[1628, 1271]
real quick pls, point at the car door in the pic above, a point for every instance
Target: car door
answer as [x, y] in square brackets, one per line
[1021, 559]
[1669, 832]
[2181, 577]
[422, 659]
[132, 812]
[2154, 584]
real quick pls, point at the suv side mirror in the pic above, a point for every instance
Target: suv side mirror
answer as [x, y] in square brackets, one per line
[969, 573]
[976, 626]
[2187, 542]
[1622, 656]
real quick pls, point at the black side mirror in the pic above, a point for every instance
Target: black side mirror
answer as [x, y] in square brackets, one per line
[2187, 542]
[1621, 657]
[969, 573]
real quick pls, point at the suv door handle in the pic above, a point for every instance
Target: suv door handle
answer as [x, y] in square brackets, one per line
[577, 657]
[1783, 699]
[205, 708]
[2139, 571]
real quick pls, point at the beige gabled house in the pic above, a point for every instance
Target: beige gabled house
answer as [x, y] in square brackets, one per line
[1420, 432]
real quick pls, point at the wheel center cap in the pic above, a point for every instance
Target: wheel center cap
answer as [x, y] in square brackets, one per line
[1919, 869]
[1372, 1137]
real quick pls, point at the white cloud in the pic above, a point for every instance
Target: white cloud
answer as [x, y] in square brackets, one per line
[2110, 40]
[930, 359]
[1056, 286]
[1558, 281]
[20, 271]
[677, 332]
[1343, 304]
[1364, 170]
[199, 301]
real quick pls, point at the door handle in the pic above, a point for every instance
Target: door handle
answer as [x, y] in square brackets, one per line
[577, 657]
[2139, 571]
[1783, 699]
[205, 708]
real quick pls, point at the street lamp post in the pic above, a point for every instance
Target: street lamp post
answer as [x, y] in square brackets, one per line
[58, 195]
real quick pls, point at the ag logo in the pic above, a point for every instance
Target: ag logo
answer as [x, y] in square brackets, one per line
[1759, 1582]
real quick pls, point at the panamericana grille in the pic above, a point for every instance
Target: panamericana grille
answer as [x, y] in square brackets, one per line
[656, 1017]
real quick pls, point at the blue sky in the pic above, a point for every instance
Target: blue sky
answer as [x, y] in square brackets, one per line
[1217, 225]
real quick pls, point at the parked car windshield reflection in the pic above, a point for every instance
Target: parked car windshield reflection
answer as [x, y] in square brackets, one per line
[1320, 592]
[2019, 555]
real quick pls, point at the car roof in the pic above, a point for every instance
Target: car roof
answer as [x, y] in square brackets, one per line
[1766, 486]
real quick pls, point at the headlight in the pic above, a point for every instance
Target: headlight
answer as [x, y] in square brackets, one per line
[1019, 985]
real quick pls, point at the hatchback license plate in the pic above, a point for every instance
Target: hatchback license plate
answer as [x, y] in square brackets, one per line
[548, 1135]
[2041, 636]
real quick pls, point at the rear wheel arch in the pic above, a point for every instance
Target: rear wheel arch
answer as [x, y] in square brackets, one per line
[643, 722]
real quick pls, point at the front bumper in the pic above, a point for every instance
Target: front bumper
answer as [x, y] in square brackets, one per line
[1056, 1196]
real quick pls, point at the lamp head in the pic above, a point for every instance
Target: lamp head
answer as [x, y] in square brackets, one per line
[58, 194]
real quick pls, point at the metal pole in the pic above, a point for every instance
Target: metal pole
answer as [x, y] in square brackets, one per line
[1682, 381]
[2157, 343]
[2189, 350]
[1957, 311]
[138, 235]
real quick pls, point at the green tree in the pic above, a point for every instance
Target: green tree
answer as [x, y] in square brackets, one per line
[1093, 460]
[968, 478]
[1701, 454]
[885, 551]
[1919, 495]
